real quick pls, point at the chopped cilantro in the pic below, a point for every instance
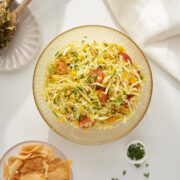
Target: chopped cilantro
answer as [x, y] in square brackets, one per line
[136, 151]
[80, 88]
[74, 53]
[146, 174]
[88, 79]
[137, 165]
[114, 178]
[95, 77]
[141, 77]
[124, 92]
[58, 54]
[124, 172]
[119, 101]
[74, 92]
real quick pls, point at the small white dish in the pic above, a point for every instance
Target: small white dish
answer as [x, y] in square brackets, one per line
[25, 44]
[140, 161]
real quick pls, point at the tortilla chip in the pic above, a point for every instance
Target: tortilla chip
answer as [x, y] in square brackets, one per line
[28, 149]
[36, 162]
[33, 165]
[33, 176]
[6, 171]
[15, 167]
[58, 174]
[34, 150]
[59, 169]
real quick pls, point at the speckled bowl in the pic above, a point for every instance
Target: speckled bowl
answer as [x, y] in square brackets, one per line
[92, 136]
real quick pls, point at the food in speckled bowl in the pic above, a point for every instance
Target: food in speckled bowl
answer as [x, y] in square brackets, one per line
[57, 58]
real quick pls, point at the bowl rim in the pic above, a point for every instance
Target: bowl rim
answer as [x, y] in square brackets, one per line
[30, 142]
[146, 61]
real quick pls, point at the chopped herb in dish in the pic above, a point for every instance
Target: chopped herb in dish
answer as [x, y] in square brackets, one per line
[136, 151]
[114, 178]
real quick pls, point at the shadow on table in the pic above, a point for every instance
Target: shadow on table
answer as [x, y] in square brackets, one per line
[50, 16]
[89, 159]
[14, 92]
[16, 86]
[81, 154]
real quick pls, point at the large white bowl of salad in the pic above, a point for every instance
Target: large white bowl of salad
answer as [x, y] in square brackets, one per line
[92, 84]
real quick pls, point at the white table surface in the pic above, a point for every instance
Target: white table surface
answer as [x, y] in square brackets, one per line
[159, 130]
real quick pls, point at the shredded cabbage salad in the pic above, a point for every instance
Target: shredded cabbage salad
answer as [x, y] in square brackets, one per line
[92, 84]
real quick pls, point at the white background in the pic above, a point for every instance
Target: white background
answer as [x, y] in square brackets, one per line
[159, 130]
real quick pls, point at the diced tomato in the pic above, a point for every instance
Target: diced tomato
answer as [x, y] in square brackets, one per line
[137, 86]
[126, 105]
[61, 68]
[100, 88]
[104, 97]
[125, 57]
[86, 122]
[130, 96]
[97, 76]
[139, 73]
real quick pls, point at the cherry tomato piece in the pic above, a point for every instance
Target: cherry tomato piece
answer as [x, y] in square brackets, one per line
[97, 76]
[138, 86]
[85, 122]
[130, 96]
[104, 97]
[125, 57]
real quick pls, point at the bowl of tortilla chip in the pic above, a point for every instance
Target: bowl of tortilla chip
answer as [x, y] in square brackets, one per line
[35, 160]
